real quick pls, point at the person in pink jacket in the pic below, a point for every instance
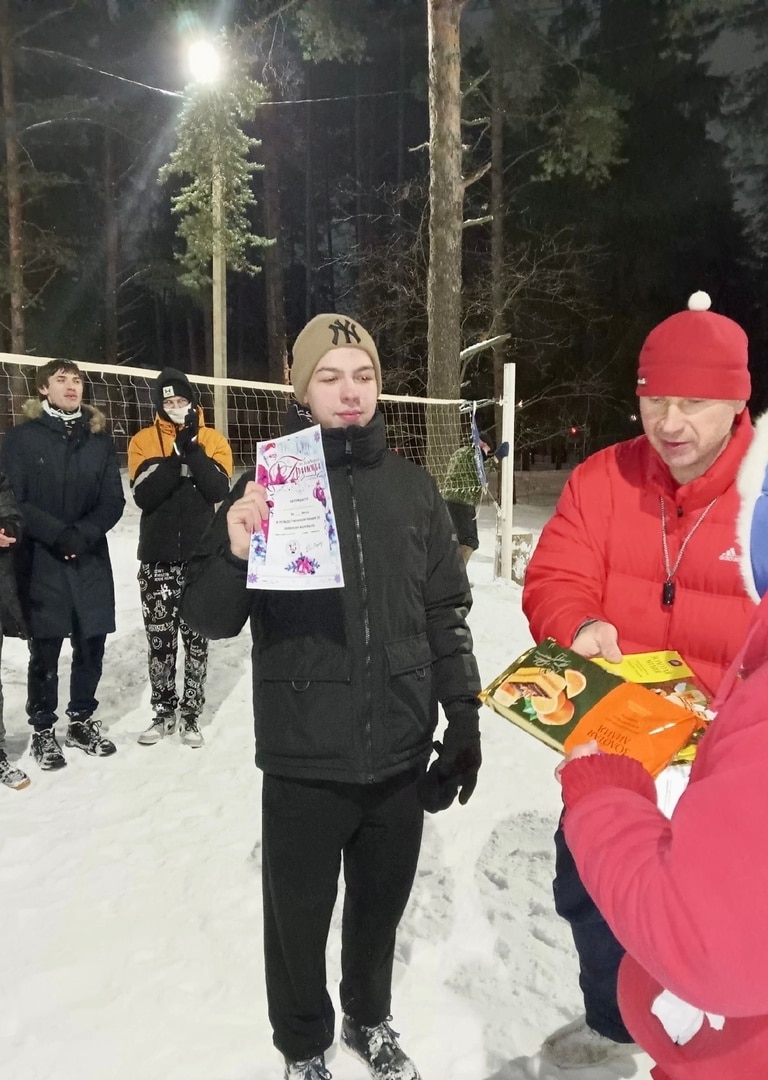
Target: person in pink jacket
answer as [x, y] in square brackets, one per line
[640, 555]
[683, 895]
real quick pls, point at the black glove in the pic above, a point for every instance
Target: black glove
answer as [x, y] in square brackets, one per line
[454, 772]
[70, 544]
[186, 438]
[502, 451]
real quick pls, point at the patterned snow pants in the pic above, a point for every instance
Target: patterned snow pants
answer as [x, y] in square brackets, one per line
[160, 585]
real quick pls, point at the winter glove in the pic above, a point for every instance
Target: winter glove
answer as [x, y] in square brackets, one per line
[186, 438]
[455, 771]
[502, 451]
[70, 544]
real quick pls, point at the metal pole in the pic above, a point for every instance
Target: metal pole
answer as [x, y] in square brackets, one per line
[219, 275]
[507, 489]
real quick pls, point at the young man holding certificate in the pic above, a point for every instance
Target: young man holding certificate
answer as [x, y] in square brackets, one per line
[346, 683]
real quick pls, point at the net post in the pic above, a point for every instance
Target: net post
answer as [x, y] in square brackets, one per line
[516, 544]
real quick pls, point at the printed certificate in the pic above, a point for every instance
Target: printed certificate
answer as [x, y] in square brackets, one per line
[298, 546]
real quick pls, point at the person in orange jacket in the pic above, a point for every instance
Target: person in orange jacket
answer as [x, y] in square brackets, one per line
[179, 470]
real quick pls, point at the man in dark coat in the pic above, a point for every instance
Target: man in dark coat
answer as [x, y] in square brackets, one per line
[11, 619]
[62, 466]
[346, 683]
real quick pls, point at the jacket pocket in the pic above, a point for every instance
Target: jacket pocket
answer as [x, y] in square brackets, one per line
[302, 707]
[410, 703]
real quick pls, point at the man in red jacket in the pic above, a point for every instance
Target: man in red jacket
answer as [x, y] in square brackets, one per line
[640, 555]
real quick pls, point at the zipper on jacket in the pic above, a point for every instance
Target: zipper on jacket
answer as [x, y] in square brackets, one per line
[364, 598]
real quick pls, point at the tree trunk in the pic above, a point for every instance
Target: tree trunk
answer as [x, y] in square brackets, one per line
[329, 249]
[400, 237]
[497, 212]
[359, 220]
[309, 217]
[112, 241]
[194, 364]
[175, 347]
[159, 337]
[13, 184]
[240, 370]
[446, 202]
[402, 86]
[277, 352]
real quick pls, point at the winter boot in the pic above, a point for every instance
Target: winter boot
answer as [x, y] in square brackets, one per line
[311, 1069]
[378, 1049]
[578, 1046]
[190, 733]
[46, 751]
[86, 735]
[11, 776]
[163, 724]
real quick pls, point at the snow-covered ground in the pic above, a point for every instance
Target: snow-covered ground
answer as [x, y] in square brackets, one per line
[130, 912]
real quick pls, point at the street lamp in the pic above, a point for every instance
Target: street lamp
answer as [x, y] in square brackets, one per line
[204, 63]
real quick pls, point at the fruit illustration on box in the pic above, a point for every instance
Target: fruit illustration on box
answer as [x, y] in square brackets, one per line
[575, 682]
[686, 695]
[561, 714]
[546, 694]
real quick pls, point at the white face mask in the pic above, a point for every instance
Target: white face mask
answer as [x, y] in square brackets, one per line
[177, 416]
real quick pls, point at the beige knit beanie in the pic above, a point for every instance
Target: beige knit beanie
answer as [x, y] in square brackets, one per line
[320, 336]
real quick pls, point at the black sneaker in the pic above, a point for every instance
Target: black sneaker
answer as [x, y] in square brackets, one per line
[378, 1049]
[311, 1069]
[86, 735]
[46, 751]
[10, 776]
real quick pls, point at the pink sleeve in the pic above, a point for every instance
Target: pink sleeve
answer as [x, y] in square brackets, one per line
[684, 897]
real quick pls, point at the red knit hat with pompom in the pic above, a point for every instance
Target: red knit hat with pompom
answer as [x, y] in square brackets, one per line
[695, 354]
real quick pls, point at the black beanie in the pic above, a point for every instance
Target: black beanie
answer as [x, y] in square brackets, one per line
[173, 383]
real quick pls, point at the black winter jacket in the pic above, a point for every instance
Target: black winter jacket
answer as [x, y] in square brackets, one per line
[63, 479]
[11, 619]
[346, 681]
[176, 495]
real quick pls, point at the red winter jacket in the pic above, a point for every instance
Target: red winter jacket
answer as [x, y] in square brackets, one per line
[600, 557]
[686, 897]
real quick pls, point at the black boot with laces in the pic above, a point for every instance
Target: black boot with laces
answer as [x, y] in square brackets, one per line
[378, 1049]
[309, 1069]
[86, 735]
[46, 750]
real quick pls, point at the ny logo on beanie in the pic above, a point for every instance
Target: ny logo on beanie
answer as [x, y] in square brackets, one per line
[347, 328]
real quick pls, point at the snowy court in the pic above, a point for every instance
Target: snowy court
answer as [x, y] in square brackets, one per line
[130, 896]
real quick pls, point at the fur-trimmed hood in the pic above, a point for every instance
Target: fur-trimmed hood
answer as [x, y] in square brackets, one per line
[32, 409]
[752, 522]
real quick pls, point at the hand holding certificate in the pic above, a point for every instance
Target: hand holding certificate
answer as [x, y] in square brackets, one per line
[296, 546]
[244, 516]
